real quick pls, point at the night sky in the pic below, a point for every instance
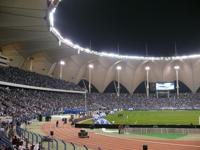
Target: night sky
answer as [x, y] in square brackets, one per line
[132, 24]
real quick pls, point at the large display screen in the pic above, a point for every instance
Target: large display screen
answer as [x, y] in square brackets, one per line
[165, 86]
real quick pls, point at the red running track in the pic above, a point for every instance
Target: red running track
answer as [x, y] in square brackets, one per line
[70, 134]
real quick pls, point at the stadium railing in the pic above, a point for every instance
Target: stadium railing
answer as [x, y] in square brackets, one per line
[47, 142]
[115, 126]
[4, 141]
[148, 129]
[39, 88]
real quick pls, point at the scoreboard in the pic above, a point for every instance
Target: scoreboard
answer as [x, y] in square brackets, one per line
[165, 86]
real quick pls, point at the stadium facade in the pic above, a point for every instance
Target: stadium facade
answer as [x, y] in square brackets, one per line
[30, 41]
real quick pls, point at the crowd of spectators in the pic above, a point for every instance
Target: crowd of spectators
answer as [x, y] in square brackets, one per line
[19, 76]
[111, 101]
[26, 104]
[23, 105]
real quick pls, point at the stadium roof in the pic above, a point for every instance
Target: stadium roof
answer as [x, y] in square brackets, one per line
[28, 36]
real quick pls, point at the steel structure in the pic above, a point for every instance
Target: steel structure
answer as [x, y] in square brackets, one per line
[30, 41]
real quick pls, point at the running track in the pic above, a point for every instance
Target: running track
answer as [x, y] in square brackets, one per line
[70, 134]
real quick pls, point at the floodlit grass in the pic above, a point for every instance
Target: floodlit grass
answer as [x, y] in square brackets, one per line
[88, 121]
[164, 117]
[166, 136]
[176, 117]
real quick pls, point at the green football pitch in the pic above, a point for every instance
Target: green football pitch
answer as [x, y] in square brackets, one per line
[155, 117]
[164, 117]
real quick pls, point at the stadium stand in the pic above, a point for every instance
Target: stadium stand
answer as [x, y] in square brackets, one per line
[15, 75]
[140, 102]
[26, 104]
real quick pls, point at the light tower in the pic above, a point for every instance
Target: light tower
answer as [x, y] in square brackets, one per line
[90, 66]
[177, 82]
[62, 63]
[31, 64]
[118, 68]
[147, 68]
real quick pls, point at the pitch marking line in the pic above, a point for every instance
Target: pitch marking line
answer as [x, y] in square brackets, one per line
[166, 143]
[153, 142]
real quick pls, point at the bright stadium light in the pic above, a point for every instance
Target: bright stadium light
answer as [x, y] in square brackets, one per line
[77, 47]
[119, 68]
[59, 43]
[78, 52]
[87, 50]
[51, 17]
[177, 82]
[69, 43]
[176, 67]
[62, 63]
[91, 66]
[147, 68]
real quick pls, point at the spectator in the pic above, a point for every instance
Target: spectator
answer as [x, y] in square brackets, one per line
[26, 104]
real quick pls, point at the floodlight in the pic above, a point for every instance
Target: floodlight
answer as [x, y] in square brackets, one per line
[59, 42]
[147, 68]
[91, 66]
[68, 42]
[77, 46]
[62, 63]
[119, 68]
[106, 54]
[176, 67]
